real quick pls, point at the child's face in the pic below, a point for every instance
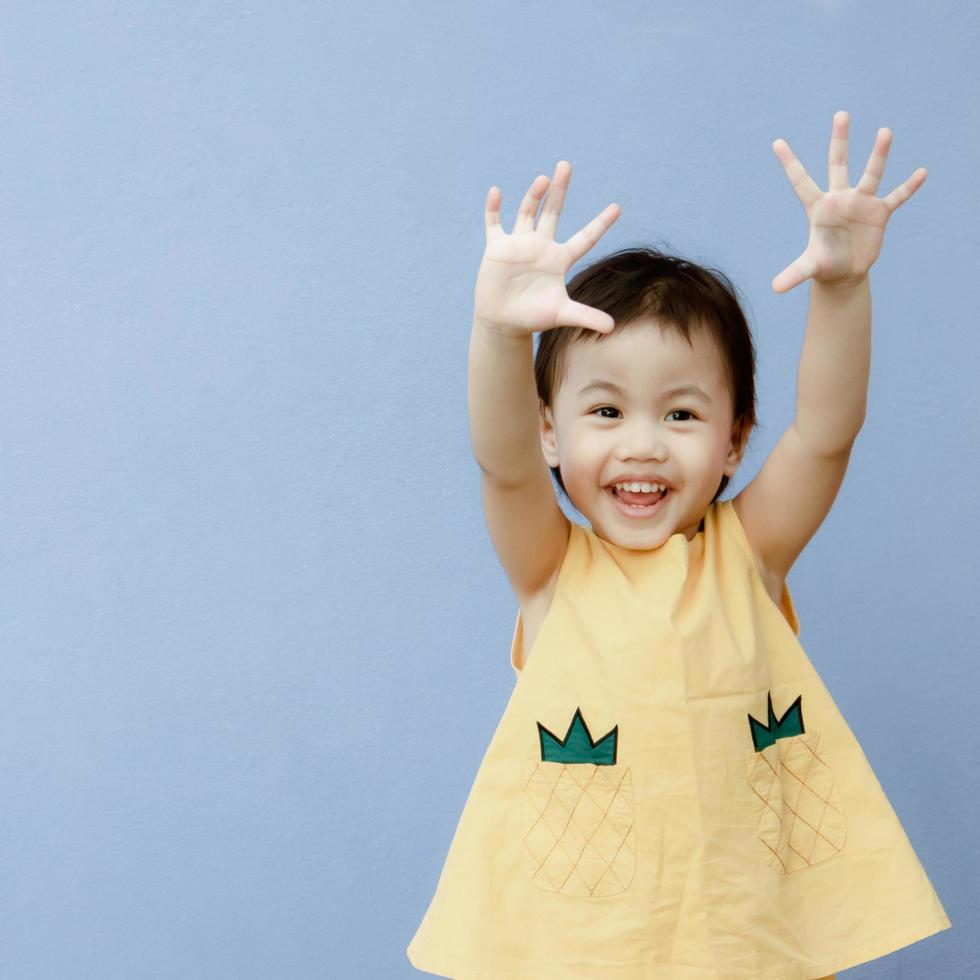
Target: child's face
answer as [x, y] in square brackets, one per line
[600, 436]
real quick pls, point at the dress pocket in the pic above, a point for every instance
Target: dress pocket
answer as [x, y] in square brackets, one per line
[579, 829]
[800, 818]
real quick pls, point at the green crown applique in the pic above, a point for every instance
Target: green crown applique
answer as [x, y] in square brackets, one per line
[577, 745]
[790, 724]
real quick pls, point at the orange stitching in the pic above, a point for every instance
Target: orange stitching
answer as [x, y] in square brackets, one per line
[783, 757]
[786, 838]
[617, 791]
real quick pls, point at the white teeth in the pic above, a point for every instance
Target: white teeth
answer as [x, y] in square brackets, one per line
[640, 487]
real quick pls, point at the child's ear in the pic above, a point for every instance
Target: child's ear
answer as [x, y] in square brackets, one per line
[740, 440]
[549, 444]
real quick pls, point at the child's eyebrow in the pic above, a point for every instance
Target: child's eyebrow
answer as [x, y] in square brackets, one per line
[600, 384]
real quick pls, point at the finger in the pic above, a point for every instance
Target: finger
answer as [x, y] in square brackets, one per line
[583, 240]
[551, 210]
[795, 273]
[529, 205]
[491, 214]
[837, 159]
[905, 190]
[875, 167]
[806, 190]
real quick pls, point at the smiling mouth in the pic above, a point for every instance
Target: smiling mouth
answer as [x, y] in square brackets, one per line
[641, 504]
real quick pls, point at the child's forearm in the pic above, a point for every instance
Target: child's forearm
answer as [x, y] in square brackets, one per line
[503, 405]
[835, 365]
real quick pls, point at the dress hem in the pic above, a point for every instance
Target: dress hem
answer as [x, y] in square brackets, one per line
[436, 966]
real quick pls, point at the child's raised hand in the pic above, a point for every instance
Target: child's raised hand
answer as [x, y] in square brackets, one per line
[520, 288]
[847, 224]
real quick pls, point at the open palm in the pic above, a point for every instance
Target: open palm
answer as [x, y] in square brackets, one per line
[520, 288]
[847, 224]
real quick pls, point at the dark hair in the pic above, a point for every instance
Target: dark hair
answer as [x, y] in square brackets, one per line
[645, 284]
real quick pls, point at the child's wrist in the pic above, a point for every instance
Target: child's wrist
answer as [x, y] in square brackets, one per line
[843, 285]
[498, 329]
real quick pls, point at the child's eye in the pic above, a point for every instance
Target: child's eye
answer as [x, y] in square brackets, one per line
[609, 408]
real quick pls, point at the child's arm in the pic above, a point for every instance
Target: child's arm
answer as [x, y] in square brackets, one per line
[782, 508]
[520, 290]
[835, 366]
[503, 405]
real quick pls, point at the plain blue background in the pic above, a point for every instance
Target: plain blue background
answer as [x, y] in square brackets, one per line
[253, 633]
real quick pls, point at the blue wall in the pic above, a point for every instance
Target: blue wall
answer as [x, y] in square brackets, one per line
[253, 633]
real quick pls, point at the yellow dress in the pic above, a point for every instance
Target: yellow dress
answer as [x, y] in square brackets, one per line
[671, 792]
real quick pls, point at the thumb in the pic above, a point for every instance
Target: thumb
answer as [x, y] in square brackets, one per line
[574, 314]
[795, 273]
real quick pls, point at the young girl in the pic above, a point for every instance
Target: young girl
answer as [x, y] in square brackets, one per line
[671, 793]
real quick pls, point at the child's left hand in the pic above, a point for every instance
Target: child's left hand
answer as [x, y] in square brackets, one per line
[847, 224]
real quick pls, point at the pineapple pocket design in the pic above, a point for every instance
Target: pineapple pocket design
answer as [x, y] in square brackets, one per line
[579, 836]
[800, 817]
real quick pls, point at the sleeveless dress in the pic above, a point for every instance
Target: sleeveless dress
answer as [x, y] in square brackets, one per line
[671, 792]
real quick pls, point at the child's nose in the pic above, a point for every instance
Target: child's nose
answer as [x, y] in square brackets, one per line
[644, 449]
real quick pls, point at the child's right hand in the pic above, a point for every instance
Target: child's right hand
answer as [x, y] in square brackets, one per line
[520, 289]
